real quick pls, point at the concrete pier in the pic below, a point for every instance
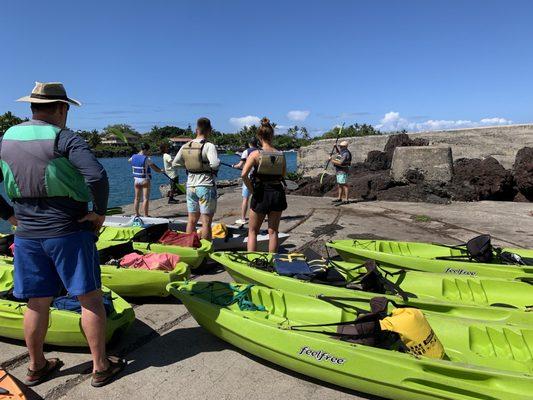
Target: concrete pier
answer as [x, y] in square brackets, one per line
[171, 357]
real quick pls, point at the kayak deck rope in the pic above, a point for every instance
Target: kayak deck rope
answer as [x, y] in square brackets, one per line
[230, 295]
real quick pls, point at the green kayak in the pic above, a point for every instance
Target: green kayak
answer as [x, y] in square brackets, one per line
[65, 326]
[432, 258]
[142, 241]
[131, 282]
[461, 296]
[485, 360]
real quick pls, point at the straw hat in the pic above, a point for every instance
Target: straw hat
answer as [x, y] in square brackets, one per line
[49, 92]
[344, 143]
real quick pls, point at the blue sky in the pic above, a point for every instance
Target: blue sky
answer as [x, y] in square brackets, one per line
[395, 64]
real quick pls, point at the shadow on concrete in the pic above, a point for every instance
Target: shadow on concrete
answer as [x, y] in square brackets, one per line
[208, 268]
[306, 378]
[27, 391]
[173, 347]
[151, 300]
[293, 217]
[367, 236]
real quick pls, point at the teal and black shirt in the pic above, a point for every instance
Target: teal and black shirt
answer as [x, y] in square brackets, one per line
[50, 176]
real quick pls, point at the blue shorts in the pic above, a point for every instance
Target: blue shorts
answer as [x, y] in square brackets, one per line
[342, 177]
[245, 192]
[202, 199]
[43, 267]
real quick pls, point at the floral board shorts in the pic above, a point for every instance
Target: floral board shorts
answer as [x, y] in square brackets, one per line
[342, 177]
[202, 199]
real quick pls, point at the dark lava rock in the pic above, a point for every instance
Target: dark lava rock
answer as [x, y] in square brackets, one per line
[400, 140]
[365, 185]
[520, 198]
[476, 179]
[377, 160]
[313, 187]
[419, 142]
[414, 176]
[523, 172]
[415, 193]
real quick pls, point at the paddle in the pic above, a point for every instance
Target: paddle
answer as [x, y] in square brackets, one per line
[330, 154]
[291, 185]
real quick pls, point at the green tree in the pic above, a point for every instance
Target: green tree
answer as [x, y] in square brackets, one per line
[8, 120]
[353, 130]
[304, 133]
[94, 139]
[165, 132]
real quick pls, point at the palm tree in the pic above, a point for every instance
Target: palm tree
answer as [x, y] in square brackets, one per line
[305, 134]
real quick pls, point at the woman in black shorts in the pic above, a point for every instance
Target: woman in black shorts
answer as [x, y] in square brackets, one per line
[268, 167]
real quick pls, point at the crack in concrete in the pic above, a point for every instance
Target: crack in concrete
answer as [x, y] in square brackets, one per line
[322, 234]
[300, 222]
[442, 229]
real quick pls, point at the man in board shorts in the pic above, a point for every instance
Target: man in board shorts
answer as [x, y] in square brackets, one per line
[50, 187]
[200, 159]
[342, 161]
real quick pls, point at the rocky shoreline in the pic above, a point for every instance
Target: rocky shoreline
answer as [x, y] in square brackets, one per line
[474, 179]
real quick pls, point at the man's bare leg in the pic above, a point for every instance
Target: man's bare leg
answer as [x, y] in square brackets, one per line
[35, 327]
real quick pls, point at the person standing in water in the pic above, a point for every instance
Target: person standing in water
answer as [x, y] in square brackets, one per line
[267, 168]
[200, 159]
[142, 165]
[172, 172]
[253, 145]
[342, 161]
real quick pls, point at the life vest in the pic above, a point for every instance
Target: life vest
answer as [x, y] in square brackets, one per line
[193, 158]
[344, 159]
[33, 167]
[139, 167]
[271, 167]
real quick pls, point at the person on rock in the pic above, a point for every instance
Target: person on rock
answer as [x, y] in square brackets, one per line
[342, 161]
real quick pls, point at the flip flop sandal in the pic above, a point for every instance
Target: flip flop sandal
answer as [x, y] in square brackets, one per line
[102, 378]
[37, 377]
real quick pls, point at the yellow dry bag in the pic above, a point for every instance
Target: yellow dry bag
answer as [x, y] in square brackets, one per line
[218, 231]
[415, 332]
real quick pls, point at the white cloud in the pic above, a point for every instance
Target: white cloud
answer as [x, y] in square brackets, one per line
[298, 115]
[248, 120]
[392, 121]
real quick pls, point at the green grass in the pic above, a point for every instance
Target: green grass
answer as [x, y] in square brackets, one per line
[420, 218]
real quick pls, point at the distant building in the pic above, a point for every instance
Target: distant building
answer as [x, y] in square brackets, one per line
[113, 140]
[177, 142]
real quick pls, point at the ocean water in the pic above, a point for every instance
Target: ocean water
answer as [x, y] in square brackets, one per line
[121, 182]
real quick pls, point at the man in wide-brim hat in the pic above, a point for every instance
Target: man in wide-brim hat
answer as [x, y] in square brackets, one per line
[50, 175]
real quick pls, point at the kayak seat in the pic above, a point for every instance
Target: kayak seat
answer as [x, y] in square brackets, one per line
[464, 290]
[6, 241]
[115, 252]
[504, 343]
[151, 234]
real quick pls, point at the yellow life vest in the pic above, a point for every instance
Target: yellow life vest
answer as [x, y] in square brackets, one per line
[415, 332]
[271, 166]
[193, 158]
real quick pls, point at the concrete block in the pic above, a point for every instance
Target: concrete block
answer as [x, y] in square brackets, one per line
[435, 163]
